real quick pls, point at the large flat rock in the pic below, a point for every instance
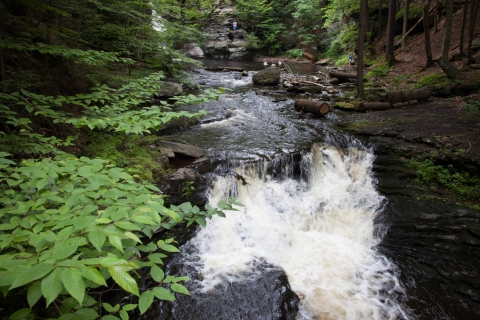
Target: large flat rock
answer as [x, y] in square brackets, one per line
[183, 149]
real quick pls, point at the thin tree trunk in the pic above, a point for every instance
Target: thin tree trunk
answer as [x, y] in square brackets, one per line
[435, 21]
[392, 10]
[444, 61]
[405, 24]
[426, 28]
[2, 70]
[361, 43]
[380, 18]
[471, 29]
[367, 28]
[462, 31]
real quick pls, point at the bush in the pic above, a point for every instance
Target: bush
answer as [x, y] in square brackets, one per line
[71, 226]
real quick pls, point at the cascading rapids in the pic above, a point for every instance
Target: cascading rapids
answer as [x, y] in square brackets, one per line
[320, 230]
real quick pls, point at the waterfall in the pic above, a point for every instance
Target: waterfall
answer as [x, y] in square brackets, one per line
[318, 228]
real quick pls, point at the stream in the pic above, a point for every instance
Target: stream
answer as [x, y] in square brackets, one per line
[326, 230]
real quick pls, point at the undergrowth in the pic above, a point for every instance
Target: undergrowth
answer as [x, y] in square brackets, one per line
[460, 184]
[129, 152]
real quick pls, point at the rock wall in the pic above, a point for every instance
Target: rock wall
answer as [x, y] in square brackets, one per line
[223, 43]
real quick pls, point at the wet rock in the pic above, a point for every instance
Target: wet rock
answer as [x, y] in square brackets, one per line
[167, 152]
[184, 174]
[245, 73]
[267, 76]
[183, 149]
[267, 296]
[323, 62]
[192, 50]
[169, 89]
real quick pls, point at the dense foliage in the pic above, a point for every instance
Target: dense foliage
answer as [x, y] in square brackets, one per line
[73, 228]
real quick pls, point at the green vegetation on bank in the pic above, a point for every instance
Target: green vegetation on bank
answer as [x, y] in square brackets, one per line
[78, 203]
[461, 184]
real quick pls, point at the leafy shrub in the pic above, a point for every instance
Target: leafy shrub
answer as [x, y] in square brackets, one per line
[461, 183]
[378, 70]
[71, 226]
[294, 53]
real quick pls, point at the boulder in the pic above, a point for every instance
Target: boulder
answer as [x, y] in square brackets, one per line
[182, 149]
[192, 50]
[169, 89]
[184, 175]
[267, 76]
[266, 296]
[323, 62]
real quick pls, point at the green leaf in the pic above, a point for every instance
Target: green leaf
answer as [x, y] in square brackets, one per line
[86, 314]
[116, 242]
[108, 307]
[177, 287]
[61, 253]
[97, 239]
[157, 273]
[168, 247]
[94, 275]
[29, 274]
[41, 183]
[133, 237]
[123, 279]
[201, 221]
[172, 214]
[125, 225]
[20, 314]
[145, 301]
[144, 220]
[142, 198]
[73, 281]
[156, 257]
[123, 315]
[129, 307]
[163, 294]
[34, 293]
[52, 285]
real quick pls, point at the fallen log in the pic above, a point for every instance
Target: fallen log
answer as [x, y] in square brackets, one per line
[403, 96]
[320, 108]
[405, 104]
[342, 75]
[375, 106]
[225, 69]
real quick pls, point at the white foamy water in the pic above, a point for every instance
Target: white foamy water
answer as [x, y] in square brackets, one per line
[319, 231]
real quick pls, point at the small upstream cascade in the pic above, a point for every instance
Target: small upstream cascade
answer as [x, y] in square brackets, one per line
[318, 228]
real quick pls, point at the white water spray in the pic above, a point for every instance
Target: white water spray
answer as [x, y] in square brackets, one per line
[320, 231]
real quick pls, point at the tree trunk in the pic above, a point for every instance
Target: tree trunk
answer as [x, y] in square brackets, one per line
[462, 31]
[402, 96]
[405, 24]
[435, 21]
[426, 27]
[361, 44]
[471, 29]
[320, 108]
[377, 106]
[392, 10]
[444, 61]
[341, 75]
[2, 70]
[380, 4]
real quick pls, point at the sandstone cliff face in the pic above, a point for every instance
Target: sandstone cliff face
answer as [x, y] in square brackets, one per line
[223, 43]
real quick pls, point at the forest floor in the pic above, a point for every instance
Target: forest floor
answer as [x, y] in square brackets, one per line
[449, 124]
